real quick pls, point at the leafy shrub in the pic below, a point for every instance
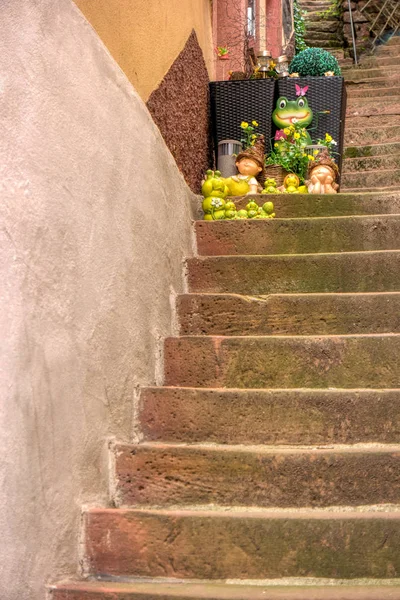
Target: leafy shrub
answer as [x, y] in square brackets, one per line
[315, 62]
[299, 27]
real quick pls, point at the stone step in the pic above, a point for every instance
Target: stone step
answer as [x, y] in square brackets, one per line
[387, 189]
[374, 109]
[372, 93]
[371, 179]
[296, 416]
[367, 84]
[302, 273]
[335, 42]
[375, 150]
[206, 590]
[394, 41]
[353, 122]
[366, 361]
[328, 205]
[315, 34]
[243, 544]
[370, 163]
[337, 53]
[160, 474]
[387, 50]
[357, 102]
[316, 23]
[288, 314]
[371, 135]
[362, 74]
[380, 61]
[299, 236]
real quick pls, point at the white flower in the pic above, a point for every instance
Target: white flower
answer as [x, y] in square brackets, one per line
[216, 202]
[294, 120]
[334, 143]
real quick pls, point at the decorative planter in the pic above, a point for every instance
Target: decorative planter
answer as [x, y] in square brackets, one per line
[235, 101]
[324, 93]
[276, 172]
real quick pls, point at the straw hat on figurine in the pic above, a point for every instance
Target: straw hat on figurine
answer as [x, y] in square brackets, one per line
[256, 153]
[324, 159]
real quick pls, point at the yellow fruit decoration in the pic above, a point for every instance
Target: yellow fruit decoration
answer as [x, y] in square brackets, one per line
[237, 188]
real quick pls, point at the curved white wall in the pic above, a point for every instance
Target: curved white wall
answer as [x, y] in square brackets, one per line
[96, 220]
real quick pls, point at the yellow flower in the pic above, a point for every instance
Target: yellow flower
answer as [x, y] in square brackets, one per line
[276, 145]
[328, 138]
[254, 123]
[310, 157]
[304, 133]
[272, 65]
[244, 125]
[296, 136]
[254, 136]
[286, 131]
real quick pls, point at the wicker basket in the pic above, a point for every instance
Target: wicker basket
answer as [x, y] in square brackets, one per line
[276, 172]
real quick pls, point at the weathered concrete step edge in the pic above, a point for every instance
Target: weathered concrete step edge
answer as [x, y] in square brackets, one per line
[353, 122]
[371, 135]
[371, 163]
[367, 361]
[329, 205]
[242, 544]
[371, 179]
[372, 150]
[286, 314]
[296, 236]
[151, 474]
[109, 590]
[301, 273]
[376, 93]
[297, 416]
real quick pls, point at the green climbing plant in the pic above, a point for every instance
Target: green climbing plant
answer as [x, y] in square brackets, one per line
[334, 10]
[299, 27]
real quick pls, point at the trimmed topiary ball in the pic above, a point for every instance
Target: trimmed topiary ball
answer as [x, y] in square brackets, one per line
[315, 62]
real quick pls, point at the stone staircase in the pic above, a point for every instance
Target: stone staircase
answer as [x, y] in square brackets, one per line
[324, 30]
[269, 466]
[372, 135]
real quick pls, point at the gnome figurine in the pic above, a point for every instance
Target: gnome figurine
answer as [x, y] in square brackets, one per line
[250, 164]
[322, 174]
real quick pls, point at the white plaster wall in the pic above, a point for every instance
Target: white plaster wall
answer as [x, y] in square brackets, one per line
[95, 223]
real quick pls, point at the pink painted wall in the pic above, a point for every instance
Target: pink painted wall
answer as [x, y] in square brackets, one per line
[229, 25]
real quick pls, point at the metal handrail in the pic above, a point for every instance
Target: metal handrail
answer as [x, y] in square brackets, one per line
[352, 32]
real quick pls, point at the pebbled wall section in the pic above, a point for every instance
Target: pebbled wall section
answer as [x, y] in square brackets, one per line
[180, 106]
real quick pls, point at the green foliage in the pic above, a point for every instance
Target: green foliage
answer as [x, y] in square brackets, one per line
[290, 151]
[334, 10]
[314, 62]
[299, 27]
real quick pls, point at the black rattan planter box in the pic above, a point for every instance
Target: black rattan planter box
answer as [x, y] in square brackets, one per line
[324, 93]
[235, 101]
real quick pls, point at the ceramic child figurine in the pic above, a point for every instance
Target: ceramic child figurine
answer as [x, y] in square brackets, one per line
[322, 174]
[250, 164]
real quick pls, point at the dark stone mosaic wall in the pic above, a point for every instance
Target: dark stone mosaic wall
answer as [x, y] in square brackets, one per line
[180, 107]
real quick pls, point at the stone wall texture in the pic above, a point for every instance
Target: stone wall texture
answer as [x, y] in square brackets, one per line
[181, 108]
[96, 221]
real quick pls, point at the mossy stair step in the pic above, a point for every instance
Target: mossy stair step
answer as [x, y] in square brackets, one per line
[110, 590]
[371, 163]
[243, 544]
[297, 236]
[316, 34]
[288, 314]
[270, 416]
[346, 361]
[325, 205]
[371, 109]
[332, 272]
[380, 178]
[367, 134]
[373, 94]
[161, 474]
[372, 150]
[372, 73]
[319, 42]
